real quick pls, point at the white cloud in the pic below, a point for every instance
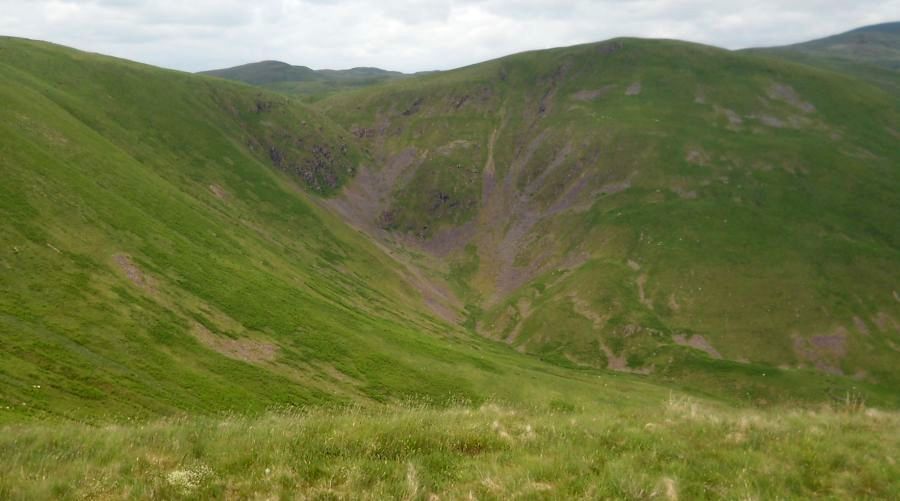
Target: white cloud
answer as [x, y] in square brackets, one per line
[411, 35]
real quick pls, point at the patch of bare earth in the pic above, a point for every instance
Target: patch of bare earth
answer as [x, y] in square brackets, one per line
[824, 351]
[860, 326]
[134, 273]
[634, 89]
[583, 308]
[787, 94]
[618, 363]
[734, 120]
[590, 95]
[245, 350]
[452, 146]
[673, 303]
[700, 96]
[698, 342]
[697, 156]
[667, 489]
[218, 191]
[885, 322]
[770, 121]
[641, 282]
[684, 192]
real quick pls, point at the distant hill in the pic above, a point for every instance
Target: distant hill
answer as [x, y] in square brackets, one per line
[605, 204]
[878, 45]
[303, 81]
[871, 53]
[267, 72]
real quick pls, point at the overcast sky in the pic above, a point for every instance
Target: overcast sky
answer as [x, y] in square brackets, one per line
[410, 35]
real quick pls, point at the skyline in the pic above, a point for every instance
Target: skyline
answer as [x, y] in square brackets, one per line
[409, 36]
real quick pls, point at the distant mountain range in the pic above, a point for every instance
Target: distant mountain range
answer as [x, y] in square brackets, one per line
[871, 53]
[301, 80]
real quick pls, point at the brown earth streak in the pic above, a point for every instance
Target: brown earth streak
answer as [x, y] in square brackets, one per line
[583, 308]
[633, 89]
[245, 350]
[641, 282]
[734, 120]
[860, 325]
[885, 322]
[787, 94]
[590, 95]
[218, 191]
[620, 364]
[673, 303]
[823, 351]
[134, 273]
[698, 342]
[697, 156]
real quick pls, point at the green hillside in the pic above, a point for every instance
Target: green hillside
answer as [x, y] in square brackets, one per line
[633, 269]
[649, 206]
[876, 45]
[871, 53]
[303, 82]
[153, 260]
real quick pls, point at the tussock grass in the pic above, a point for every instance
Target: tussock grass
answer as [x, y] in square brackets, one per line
[679, 448]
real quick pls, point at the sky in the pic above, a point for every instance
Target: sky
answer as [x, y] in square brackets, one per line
[194, 35]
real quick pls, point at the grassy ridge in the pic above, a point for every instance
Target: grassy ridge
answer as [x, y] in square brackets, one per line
[871, 53]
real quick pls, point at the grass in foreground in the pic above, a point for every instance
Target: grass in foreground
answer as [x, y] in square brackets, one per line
[678, 448]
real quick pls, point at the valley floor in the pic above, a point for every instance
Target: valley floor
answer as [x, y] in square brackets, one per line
[679, 449]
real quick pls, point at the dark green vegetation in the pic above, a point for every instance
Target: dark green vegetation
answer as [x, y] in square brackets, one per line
[698, 252]
[871, 53]
[303, 82]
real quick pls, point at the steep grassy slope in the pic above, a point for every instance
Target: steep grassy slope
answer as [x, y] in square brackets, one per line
[871, 53]
[301, 81]
[646, 206]
[153, 260]
[164, 250]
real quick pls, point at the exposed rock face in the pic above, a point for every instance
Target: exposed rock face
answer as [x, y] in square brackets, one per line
[320, 157]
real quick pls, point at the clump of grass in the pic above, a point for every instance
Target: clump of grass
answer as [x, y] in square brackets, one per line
[677, 448]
